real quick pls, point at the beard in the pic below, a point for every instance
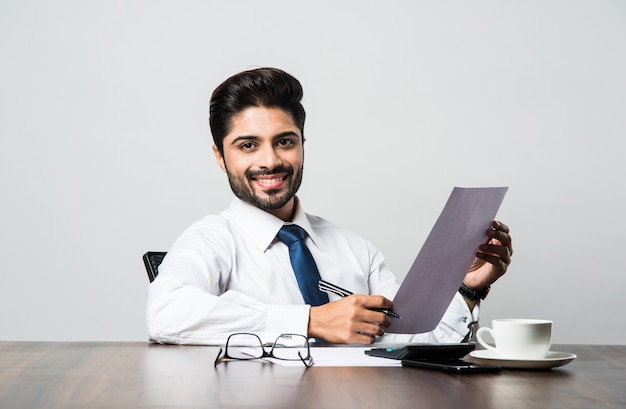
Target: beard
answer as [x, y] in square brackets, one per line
[243, 187]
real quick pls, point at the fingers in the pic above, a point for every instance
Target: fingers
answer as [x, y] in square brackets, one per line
[376, 301]
[500, 232]
[496, 255]
[498, 249]
[497, 225]
[371, 325]
[350, 320]
[500, 252]
[377, 318]
[366, 305]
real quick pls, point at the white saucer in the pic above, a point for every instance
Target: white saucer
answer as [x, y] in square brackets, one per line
[552, 360]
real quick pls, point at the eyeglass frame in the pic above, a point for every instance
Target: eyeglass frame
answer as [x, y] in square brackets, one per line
[307, 361]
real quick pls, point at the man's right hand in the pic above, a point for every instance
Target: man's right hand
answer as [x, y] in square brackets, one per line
[350, 320]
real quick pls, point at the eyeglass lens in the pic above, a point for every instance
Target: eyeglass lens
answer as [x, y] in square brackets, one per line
[291, 347]
[244, 346]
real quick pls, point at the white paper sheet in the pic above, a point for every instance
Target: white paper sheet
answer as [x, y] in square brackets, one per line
[341, 356]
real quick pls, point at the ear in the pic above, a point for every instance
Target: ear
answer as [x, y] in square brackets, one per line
[219, 157]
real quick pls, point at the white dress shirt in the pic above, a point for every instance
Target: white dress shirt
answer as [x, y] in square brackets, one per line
[229, 273]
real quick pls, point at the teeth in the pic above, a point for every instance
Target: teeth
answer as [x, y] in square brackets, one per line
[269, 181]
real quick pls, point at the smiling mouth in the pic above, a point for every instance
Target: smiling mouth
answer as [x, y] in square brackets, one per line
[270, 181]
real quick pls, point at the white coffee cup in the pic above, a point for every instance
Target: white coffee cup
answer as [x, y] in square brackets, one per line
[518, 338]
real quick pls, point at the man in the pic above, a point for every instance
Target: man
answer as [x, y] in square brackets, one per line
[230, 272]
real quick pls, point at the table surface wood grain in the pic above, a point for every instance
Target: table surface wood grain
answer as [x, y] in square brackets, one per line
[142, 375]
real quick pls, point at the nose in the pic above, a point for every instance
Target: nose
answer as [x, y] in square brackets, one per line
[268, 157]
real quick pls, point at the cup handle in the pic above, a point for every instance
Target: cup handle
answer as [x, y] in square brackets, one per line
[479, 336]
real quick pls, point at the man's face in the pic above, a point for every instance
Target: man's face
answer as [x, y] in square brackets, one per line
[263, 158]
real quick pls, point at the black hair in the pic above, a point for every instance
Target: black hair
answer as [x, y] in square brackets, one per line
[260, 87]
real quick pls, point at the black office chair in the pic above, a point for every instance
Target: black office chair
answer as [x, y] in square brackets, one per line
[152, 260]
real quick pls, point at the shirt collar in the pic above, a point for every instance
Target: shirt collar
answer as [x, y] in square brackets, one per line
[261, 226]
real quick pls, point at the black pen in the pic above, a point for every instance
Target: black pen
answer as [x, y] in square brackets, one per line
[330, 288]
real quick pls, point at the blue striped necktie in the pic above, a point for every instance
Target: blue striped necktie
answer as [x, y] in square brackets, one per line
[303, 264]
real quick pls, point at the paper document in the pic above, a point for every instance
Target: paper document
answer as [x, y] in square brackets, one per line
[445, 257]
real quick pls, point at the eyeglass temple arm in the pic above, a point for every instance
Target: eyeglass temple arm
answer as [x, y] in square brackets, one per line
[218, 358]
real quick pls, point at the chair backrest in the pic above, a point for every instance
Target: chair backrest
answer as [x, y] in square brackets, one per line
[152, 260]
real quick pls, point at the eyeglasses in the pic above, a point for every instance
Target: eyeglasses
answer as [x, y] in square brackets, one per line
[245, 346]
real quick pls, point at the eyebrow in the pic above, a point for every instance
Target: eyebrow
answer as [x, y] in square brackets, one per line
[256, 138]
[244, 138]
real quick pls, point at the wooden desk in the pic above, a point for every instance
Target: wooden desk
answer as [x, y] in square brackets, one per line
[140, 375]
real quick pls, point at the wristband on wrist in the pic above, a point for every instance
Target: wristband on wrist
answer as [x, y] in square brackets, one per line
[474, 295]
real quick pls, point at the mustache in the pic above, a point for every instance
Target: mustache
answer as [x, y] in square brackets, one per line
[264, 172]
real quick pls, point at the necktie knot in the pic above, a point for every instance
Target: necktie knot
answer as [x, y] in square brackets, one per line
[291, 233]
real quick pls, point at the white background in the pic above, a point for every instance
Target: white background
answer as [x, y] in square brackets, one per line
[106, 153]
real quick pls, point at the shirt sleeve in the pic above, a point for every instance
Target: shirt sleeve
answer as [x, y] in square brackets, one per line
[188, 302]
[454, 327]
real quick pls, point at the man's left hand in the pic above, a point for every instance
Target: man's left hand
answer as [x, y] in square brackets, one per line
[492, 259]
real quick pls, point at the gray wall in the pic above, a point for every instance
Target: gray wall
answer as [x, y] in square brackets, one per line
[105, 150]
